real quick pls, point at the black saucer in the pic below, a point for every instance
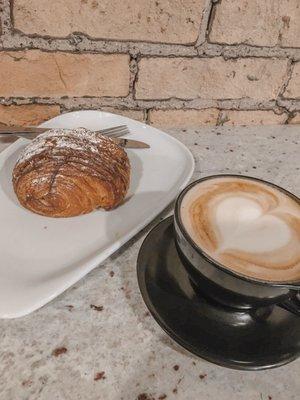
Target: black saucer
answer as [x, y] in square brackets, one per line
[236, 339]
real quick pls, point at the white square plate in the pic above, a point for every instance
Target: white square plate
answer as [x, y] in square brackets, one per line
[41, 257]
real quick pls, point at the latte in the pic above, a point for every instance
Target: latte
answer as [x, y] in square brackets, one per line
[247, 226]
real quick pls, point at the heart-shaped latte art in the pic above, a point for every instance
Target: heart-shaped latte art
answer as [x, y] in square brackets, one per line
[246, 226]
[243, 225]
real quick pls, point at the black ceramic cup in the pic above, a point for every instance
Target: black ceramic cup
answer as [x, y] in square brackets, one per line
[223, 285]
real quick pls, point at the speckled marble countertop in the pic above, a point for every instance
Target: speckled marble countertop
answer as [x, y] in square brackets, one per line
[97, 341]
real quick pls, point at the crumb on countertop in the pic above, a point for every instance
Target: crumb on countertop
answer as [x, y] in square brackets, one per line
[96, 308]
[59, 351]
[99, 376]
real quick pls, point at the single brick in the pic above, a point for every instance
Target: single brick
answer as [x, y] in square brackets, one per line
[256, 22]
[210, 78]
[155, 21]
[36, 73]
[183, 118]
[28, 114]
[293, 88]
[235, 117]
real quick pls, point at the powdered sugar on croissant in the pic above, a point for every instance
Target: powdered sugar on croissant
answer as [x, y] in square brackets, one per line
[68, 172]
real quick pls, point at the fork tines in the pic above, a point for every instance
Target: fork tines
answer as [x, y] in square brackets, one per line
[115, 131]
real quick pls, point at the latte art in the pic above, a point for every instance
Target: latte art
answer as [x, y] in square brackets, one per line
[247, 226]
[244, 226]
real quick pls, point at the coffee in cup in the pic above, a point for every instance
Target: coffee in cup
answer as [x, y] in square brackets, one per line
[247, 226]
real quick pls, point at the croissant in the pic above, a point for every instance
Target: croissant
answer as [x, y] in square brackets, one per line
[63, 173]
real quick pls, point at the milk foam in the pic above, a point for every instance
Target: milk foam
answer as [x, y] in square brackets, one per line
[246, 225]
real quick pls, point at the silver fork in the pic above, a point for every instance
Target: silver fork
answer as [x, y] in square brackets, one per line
[32, 132]
[116, 131]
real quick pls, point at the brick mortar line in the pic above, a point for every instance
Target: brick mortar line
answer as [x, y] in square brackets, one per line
[219, 118]
[147, 116]
[222, 108]
[290, 117]
[136, 78]
[283, 108]
[72, 45]
[6, 21]
[289, 72]
[134, 72]
[251, 46]
[242, 51]
[19, 35]
[205, 55]
[203, 26]
[281, 96]
[290, 105]
[129, 103]
[211, 17]
[80, 37]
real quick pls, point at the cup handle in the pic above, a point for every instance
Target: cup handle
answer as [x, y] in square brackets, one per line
[292, 304]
